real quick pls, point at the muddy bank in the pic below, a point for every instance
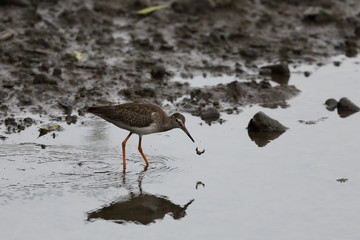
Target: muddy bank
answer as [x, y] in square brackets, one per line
[56, 57]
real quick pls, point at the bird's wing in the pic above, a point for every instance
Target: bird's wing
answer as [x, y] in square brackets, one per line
[131, 114]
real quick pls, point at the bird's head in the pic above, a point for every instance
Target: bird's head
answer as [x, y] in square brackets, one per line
[179, 122]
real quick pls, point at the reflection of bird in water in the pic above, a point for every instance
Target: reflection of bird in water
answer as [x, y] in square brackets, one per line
[142, 208]
[140, 118]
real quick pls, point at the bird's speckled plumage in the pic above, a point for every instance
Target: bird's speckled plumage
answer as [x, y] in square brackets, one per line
[131, 116]
[140, 118]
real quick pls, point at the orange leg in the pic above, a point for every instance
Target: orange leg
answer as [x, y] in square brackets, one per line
[141, 152]
[123, 149]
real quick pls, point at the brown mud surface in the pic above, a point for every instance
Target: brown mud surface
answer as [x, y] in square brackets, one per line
[131, 57]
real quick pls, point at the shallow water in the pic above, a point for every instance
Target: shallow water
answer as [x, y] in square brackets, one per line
[285, 189]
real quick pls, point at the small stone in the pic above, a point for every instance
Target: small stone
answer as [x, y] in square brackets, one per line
[43, 146]
[210, 114]
[337, 63]
[346, 105]
[263, 123]
[28, 121]
[331, 104]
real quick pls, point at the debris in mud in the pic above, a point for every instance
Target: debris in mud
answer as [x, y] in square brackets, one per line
[152, 9]
[77, 55]
[342, 180]
[50, 128]
[199, 183]
[2, 137]
[198, 152]
[312, 122]
[43, 146]
[263, 123]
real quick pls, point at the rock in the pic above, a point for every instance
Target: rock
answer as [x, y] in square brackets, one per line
[10, 121]
[158, 72]
[331, 104]
[337, 63]
[210, 114]
[346, 105]
[2, 137]
[263, 123]
[279, 69]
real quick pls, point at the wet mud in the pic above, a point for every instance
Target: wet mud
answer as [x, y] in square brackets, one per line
[56, 57]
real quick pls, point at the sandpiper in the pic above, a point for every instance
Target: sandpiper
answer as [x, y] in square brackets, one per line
[139, 118]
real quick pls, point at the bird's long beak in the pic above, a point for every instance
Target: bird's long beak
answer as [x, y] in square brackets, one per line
[187, 132]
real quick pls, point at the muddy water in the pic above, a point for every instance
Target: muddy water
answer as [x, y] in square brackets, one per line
[251, 188]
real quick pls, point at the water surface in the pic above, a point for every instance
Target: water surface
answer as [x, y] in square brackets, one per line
[281, 188]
